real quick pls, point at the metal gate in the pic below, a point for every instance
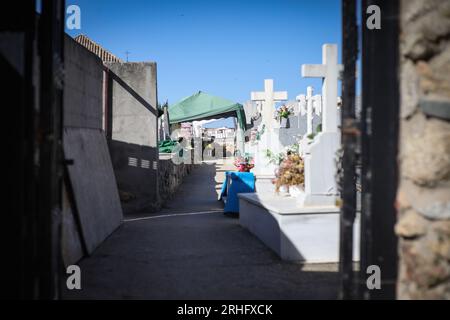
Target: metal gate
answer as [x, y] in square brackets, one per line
[377, 137]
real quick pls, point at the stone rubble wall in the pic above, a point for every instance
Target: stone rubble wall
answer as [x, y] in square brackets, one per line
[170, 176]
[423, 198]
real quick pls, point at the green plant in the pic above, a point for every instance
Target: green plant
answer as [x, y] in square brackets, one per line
[295, 148]
[284, 112]
[160, 108]
[311, 136]
[319, 128]
[274, 158]
[260, 133]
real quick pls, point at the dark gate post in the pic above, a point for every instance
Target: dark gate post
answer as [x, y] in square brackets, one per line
[51, 50]
[17, 242]
[350, 132]
[380, 117]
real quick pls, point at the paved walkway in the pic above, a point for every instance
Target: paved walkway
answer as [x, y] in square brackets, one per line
[191, 250]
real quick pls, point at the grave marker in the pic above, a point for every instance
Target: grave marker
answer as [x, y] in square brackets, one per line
[306, 227]
[265, 171]
[320, 184]
[329, 71]
[268, 97]
[309, 105]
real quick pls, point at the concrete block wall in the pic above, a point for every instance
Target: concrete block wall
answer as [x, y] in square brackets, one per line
[132, 115]
[91, 205]
[83, 87]
[136, 170]
[134, 121]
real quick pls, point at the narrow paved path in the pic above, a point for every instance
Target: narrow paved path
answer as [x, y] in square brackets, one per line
[191, 250]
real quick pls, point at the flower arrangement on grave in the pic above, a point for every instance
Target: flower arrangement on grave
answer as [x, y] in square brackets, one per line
[339, 175]
[277, 158]
[282, 115]
[295, 148]
[291, 172]
[244, 164]
[283, 112]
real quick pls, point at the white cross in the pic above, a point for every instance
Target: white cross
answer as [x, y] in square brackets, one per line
[330, 71]
[269, 97]
[309, 105]
[259, 106]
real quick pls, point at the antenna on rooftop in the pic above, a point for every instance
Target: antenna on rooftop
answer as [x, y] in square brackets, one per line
[127, 54]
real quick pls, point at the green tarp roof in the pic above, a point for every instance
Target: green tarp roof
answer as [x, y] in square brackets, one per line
[202, 106]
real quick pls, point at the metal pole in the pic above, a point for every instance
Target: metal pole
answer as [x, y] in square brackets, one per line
[380, 118]
[51, 44]
[350, 132]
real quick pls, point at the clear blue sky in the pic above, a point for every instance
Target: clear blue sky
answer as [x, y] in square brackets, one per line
[224, 47]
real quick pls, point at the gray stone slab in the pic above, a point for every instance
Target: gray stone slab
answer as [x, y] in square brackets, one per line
[297, 127]
[83, 87]
[93, 184]
[435, 108]
[72, 246]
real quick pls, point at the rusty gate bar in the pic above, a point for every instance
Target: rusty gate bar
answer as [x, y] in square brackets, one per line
[51, 50]
[380, 117]
[350, 132]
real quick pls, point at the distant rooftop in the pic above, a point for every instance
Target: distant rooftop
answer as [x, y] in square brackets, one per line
[96, 49]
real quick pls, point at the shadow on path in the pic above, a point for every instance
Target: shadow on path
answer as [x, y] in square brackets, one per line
[199, 256]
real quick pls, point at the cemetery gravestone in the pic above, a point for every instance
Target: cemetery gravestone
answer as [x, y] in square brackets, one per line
[306, 228]
[268, 138]
[320, 184]
[264, 171]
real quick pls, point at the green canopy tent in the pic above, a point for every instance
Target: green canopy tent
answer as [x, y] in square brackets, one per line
[202, 106]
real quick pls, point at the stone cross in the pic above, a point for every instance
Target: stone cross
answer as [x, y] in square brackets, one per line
[329, 71]
[309, 105]
[268, 97]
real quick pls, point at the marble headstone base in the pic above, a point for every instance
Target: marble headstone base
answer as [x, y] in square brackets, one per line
[314, 200]
[264, 185]
[300, 234]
